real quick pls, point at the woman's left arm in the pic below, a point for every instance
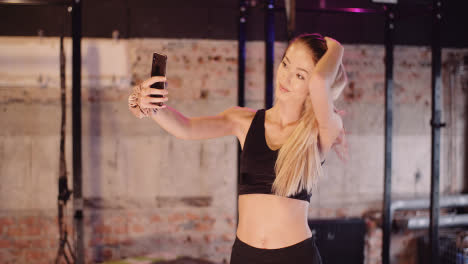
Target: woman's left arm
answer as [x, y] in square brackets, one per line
[320, 82]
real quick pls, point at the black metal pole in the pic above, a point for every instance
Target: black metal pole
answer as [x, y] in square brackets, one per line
[76, 124]
[241, 53]
[241, 76]
[269, 51]
[436, 83]
[387, 199]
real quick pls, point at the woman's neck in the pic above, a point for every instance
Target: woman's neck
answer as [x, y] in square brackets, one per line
[284, 115]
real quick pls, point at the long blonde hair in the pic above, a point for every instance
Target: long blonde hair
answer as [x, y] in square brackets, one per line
[298, 165]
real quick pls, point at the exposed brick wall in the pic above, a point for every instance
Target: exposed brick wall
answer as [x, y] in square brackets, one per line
[28, 237]
[33, 237]
[147, 192]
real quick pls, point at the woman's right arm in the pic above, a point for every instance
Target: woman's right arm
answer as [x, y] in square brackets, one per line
[203, 127]
[175, 123]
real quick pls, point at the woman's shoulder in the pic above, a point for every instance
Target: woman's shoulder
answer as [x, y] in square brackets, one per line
[241, 117]
[239, 112]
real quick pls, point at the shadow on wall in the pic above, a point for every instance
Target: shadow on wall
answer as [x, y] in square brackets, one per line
[94, 129]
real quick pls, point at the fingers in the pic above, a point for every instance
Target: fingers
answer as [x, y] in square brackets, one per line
[147, 90]
[341, 146]
[149, 102]
[341, 112]
[153, 105]
[152, 80]
[146, 100]
[141, 103]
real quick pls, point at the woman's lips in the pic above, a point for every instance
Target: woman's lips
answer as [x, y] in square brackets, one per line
[283, 89]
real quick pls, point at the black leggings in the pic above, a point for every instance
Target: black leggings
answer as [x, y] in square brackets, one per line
[302, 252]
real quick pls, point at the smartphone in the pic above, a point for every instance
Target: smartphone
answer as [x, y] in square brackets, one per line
[158, 68]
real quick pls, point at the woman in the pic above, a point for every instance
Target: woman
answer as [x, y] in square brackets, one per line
[283, 148]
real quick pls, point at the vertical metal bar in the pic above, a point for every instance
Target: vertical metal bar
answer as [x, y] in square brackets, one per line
[241, 53]
[76, 125]
[241, 76]
[463, 71]
[290, 8]
[387, 199]
[436, 83]
[269, 52]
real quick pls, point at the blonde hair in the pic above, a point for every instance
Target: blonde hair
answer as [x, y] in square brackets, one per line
[298, 165]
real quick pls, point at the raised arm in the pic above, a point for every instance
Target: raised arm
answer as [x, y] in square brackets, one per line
[320, 83]
[203, 127]
[142, 103]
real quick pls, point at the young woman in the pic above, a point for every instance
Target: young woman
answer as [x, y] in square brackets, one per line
[283, 148]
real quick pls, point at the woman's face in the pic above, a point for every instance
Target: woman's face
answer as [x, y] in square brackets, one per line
[292, 76]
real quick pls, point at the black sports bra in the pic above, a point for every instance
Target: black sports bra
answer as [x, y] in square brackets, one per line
[257, 162]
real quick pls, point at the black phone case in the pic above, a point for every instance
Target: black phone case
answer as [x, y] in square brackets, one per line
[158, 68]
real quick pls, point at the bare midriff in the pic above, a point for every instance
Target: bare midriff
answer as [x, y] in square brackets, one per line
[269, 221]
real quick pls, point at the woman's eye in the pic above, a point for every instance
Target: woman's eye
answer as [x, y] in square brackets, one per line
[300, 77]
[284, 64]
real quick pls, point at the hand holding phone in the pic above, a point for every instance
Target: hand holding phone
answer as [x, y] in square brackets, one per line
[142, 99]
[158, 68]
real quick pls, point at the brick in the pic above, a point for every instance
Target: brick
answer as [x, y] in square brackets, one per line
[111, 240]
[127, 242]
[177, 217]
[15, 231]
[192, 216]
[209, 218]
[155, 219]
[102, 229]
[38, 243]
[229, 219]
[47, 228]
[95, 241]
[3, 257]
[107, 253]
[15, 252]
[341, 212]
[208, 238]
[228, 237]
[121, 229]
[54, 242]
[28, 221]
[6, 221]
[204, 226]
[223, 249]
[33, 255]
[118, 220]
[5, 243]
[137, 228]
[21, 244]
[31, 230]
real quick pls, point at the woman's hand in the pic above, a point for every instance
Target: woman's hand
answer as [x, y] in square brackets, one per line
[340, 145]
[331, 42]
[140, 102]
